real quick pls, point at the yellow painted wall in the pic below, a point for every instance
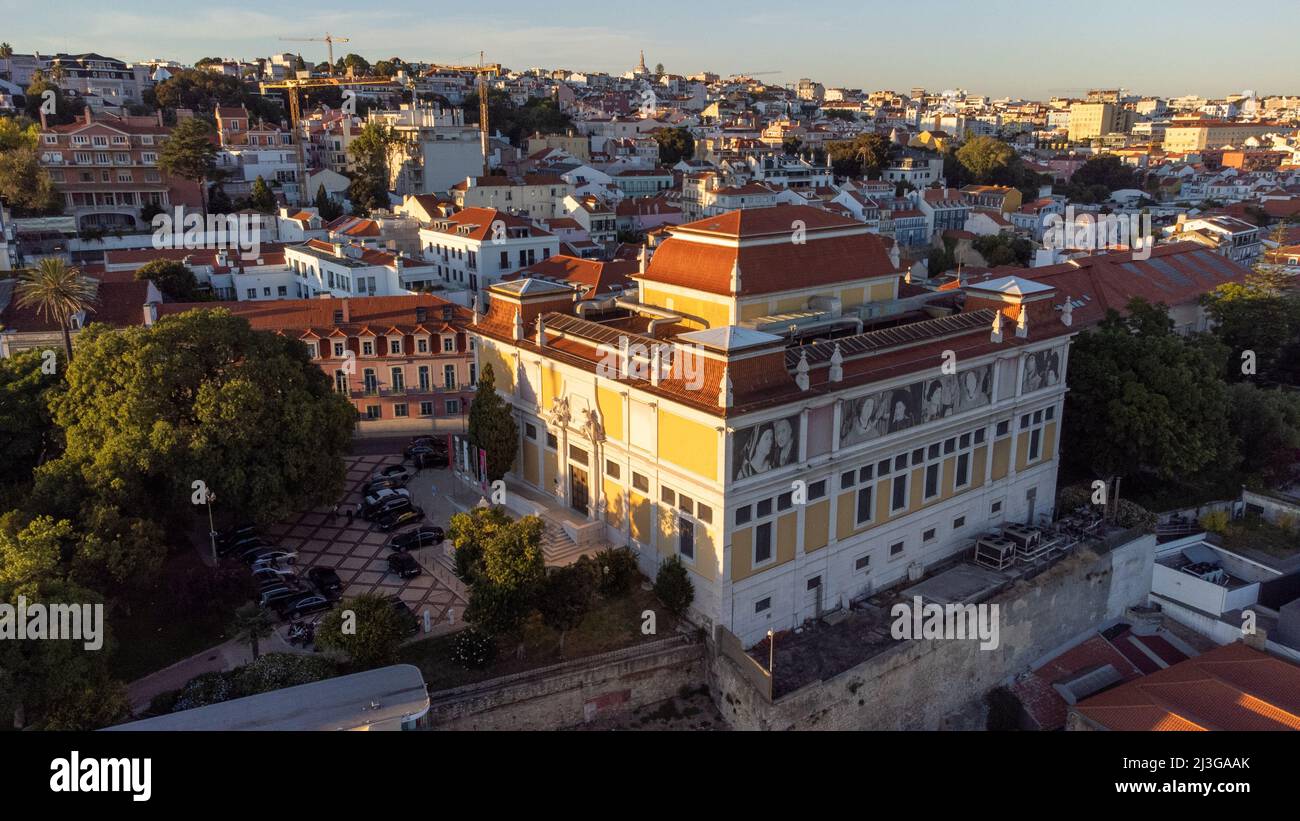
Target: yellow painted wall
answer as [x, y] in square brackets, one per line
[978, 458]
[612, 496]
[530, 463]
[689, 445]
[787, 537]
[667, 542]
[714, 312]
[640, 514]
[503, 364]
[707, 562]
[791, 304]
[742, 550]
[1022, 450]
[816, 525]
[610, 405]
[852, 297]
[1001, 458]
[916, 491]
[548, 471]
[552, 385]
[882, 291]
[1049, 441]
[753, 309]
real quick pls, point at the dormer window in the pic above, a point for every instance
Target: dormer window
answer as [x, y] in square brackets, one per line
[312, 350]
[395, 345]
[367, 347]
[449, 344]
[422, 344]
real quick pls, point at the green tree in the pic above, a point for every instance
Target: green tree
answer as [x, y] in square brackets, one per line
[673, 586]
[66, 109]
[1266, 425]
[190, 154]
[118, 555]
[25, 185]
[1143, 398]
[990, 161]
[512, 557]
[261, 198]
[202, 91]
[675, 145]
[468, 533]
[863, 156]
[173, 277]
[26, 429]
[31, 549]
[325, 206]
[18, 132]
[367, 628]
[1004, 249]
[492, 426]
[252, 624]
[58, 292]
[368, 190]
[148, 411]
[517, 123]
[565, 598]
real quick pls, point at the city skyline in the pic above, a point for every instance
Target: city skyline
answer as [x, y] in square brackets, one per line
[900, 50]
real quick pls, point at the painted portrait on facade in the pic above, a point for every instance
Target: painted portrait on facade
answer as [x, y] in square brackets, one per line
[1042, 369]
[765, 446]
[874, 415]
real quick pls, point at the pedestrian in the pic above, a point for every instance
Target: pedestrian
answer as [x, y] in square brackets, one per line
[334, 514]
[350, 515]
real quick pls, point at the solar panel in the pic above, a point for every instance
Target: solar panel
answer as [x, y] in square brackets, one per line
[886, 338]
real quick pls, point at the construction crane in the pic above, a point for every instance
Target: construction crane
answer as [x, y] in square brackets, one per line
[291, 89]
[481, 72]
[328, 40]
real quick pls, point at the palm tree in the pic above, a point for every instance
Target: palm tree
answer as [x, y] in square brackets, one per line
[7, 54]
[57, 291]
[251, 624]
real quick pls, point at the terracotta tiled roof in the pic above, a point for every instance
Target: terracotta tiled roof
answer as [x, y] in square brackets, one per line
[593, 276]
[378, 313]
[119, 304]
[1234, 687]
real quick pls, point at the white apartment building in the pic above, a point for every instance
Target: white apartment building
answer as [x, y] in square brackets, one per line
[476, 247]
[437, 148]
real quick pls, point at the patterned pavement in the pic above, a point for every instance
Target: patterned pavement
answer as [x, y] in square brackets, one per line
[357, 552]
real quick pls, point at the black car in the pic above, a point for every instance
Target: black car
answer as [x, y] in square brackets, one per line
[377, 502]
[437, 444]
[404, 565]
[410, 622]
[369, 488]
[429, 459]
[422, 536]
[400, 473]
[302, 605]
[226, 538]
[241, 544]
[400, 518]
[276, 594]
[326, 581]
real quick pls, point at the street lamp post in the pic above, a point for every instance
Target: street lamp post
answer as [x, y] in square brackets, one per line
[212, 528]
[771, 651]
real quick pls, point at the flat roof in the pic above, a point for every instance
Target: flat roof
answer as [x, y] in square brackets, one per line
[384, 696]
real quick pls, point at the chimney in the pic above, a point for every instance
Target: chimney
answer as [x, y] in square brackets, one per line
[89, 116]
[347, 310]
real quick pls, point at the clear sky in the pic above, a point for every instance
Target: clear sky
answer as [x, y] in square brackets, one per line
[1024, 48]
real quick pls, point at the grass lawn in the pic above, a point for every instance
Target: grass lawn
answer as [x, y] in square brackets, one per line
[154, 635]
[1255, 533]
[610, 625]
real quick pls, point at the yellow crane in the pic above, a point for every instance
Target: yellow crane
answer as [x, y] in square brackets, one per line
[329, 40]
[480, 72]
[291, 89]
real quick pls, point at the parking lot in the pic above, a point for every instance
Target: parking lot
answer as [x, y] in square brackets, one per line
[356, 551]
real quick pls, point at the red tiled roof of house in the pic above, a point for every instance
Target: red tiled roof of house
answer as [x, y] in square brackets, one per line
[593, 277]
[481, 220]
[773, 266]
[117, 303]
[378, 313]
[1233, 687]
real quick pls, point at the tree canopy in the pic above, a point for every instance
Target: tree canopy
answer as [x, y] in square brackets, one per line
[492, 426]
[173, 277]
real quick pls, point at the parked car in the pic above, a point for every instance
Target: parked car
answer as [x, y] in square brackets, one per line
[326, 581]
[380, 484]
[422, 536]
[272, 595]
[226, 538]
[410, 621]
[401, 518]
[302, 605]
[401, 473]
[404, 565]
[244, 549]
[272, 573]
[277, 554]
[242, 544]
[436, 444]
[375, 501]
[429, 459]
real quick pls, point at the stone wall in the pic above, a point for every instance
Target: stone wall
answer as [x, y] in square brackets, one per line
[575, 692]
[937, 684]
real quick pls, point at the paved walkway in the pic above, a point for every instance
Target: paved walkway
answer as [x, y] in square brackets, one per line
[217, 659]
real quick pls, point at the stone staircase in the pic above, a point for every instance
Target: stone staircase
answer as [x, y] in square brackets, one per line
[557, 548]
